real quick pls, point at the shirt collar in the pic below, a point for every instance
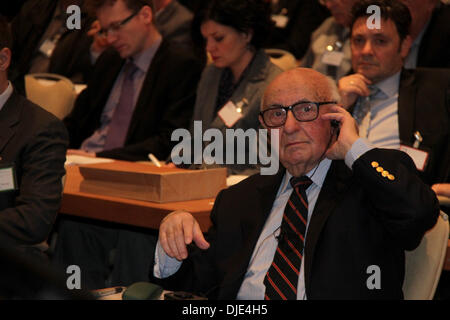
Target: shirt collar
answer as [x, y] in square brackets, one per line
[143, 59]
[317, 175]
[389, 86]
[5, 95]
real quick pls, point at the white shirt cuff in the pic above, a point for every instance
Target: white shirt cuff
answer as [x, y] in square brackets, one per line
[165, 266]
[358, 148]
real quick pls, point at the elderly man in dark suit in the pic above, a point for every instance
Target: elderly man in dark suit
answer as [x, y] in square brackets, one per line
[338, 212]
[32, 153]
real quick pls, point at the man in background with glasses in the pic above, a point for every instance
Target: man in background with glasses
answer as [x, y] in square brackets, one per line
[172, 20]
[337, 209]
[141, 90]
[137, 95]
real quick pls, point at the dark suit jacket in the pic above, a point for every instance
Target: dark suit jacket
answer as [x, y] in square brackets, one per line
[35, 141]
[360, 219]
[434, 50]
[165, 103]
[304, 17]
[424, 106]
[174, 23]
[71, 57]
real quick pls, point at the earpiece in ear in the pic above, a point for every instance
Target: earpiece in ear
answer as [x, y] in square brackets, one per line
[335, 123]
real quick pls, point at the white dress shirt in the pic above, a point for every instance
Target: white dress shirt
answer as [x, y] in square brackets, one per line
[383, 128]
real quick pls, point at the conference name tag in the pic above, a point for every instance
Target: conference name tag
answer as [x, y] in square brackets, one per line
[230, 114]
[47, 48]
[333, 58]
[419, 157]
[7, 178]
[280, 20]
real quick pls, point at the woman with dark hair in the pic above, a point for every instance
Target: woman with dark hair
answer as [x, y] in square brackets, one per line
[231, 87]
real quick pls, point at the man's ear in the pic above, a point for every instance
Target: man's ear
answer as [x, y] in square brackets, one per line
[248, 36]
[147, 14]
[5, 59]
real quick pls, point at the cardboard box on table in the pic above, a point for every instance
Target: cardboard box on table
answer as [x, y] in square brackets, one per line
[149, 183]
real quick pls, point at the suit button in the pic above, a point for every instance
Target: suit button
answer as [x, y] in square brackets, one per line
[375, 164]
[385, 174]
[391, 177]
[380, 169]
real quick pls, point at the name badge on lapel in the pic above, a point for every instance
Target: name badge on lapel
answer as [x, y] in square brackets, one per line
[333, 54]
[420, 157]
[8, 180]
[333, 58]
[231, 113]
[47, 48]
[281, 20]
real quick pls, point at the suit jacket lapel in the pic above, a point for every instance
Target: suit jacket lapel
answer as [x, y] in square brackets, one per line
[9, 116]
[406, 105]
[337, 181]
[101, 91]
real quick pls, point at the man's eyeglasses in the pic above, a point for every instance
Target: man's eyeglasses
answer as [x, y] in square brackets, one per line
[303, 111]
[116, 26]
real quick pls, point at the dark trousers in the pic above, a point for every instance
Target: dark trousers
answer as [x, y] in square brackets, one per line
[107, 254]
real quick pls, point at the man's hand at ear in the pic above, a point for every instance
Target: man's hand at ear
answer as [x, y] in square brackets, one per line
[348, 133]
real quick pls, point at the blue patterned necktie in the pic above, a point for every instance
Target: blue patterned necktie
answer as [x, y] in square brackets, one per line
[362, 113]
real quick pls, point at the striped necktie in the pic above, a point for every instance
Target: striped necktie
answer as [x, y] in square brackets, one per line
[282, 277]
